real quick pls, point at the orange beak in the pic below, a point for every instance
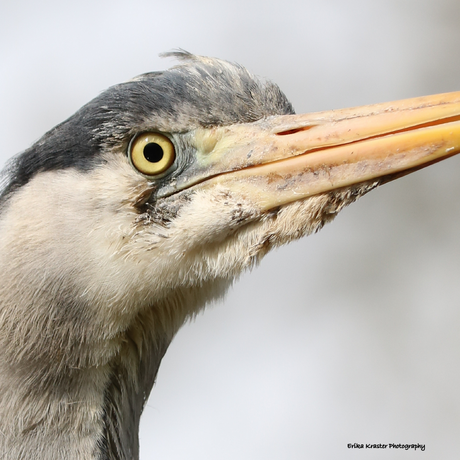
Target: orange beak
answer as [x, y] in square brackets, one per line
[286, 158]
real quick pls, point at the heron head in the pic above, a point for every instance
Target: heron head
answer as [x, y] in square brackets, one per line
[168, 186]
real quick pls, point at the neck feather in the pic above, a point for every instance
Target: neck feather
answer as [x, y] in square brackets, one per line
[81, 412]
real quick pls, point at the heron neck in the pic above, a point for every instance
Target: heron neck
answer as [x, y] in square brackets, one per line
[124, 401]
[79, 413]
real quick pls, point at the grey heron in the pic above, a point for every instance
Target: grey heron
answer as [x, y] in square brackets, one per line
[126, 219]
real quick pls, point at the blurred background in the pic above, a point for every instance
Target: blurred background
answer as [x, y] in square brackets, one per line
[348, 336]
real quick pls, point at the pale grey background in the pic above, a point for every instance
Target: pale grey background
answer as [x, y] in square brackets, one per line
[350, 335]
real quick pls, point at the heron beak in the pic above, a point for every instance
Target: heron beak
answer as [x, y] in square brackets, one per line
[286, 158]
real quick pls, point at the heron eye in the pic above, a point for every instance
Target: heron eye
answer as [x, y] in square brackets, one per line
[152, 153]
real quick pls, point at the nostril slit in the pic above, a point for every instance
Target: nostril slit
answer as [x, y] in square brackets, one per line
[296, 130]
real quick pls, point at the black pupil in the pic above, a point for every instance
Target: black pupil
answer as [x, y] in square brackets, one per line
[153, 152]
